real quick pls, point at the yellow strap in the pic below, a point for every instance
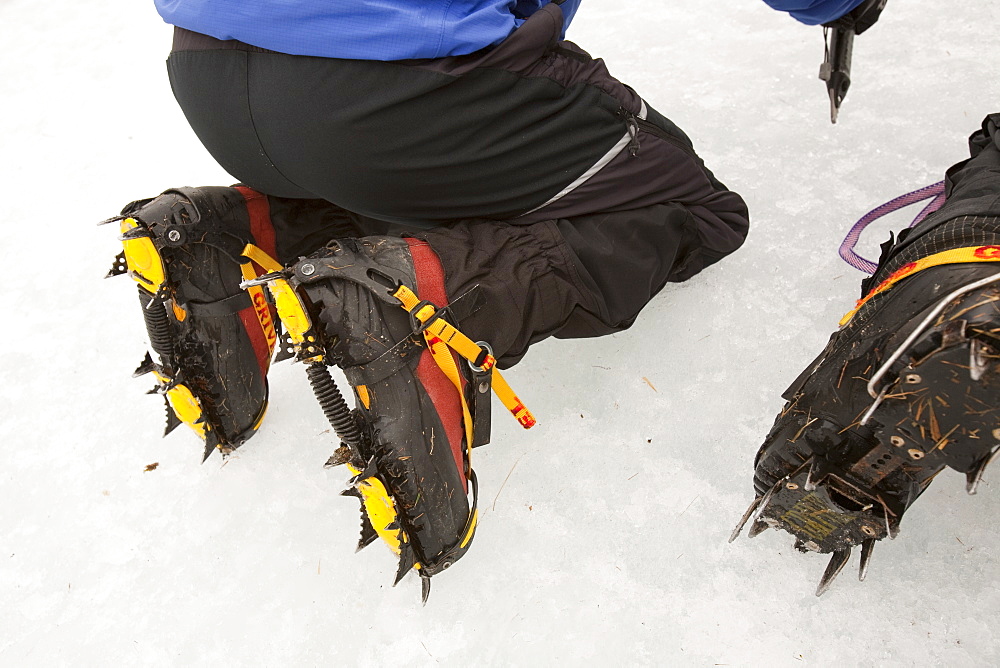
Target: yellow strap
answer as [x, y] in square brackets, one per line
[468, 349]
[256, 292]
[442, 356]
[953, 256]
[511, 401]
[260, 257]
[440, 353]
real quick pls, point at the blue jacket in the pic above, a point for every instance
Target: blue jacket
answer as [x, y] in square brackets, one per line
[813, 12]
[394, 29]
[358, 29]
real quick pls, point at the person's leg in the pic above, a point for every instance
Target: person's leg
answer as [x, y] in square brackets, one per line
[571, 278]
[908, 386]
[534, 131]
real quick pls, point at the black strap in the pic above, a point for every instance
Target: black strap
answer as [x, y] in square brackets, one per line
[227, 306]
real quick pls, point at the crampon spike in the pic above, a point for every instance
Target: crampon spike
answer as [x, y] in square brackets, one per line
[146, 366]
[112, 219]
[757, 528]
[341, 455]
[211, 444]
[867, 548]
[893, 530]
[756, 508]
[425, 588]
[816, 473]
[172, 420]
[286, 348]
[975, 476]
[743, 520]
[406, 561]
[837, 563]
[118, 267]
[371, 471]
[368, 533]
[136, 233]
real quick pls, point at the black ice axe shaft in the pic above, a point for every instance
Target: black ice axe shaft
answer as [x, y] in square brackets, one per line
[838, 38]
[836, 67]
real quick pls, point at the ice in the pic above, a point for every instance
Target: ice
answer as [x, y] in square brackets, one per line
[606, 545]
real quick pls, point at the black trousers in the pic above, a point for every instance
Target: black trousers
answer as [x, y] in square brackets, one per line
[527, 167]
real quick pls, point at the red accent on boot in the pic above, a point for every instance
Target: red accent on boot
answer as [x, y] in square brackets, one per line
[260, 220]
[447, 403]
[262, 232]
[262, 348]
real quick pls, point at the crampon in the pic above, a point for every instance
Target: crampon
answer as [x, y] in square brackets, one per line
[421, 390]
[212, 341]
[908, 386]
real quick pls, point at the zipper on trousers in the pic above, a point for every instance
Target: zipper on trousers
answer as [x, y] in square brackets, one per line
[632, 127]
[633, 124]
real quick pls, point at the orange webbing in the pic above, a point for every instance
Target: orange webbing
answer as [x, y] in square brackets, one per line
[442, 335]
[953, 256]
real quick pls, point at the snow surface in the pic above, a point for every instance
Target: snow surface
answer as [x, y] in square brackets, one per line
[603, 531]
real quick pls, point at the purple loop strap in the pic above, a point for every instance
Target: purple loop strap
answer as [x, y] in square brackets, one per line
[935, 191]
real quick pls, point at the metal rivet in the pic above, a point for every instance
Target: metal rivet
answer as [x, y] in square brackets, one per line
[484, 387]
[916, 454]
[174, 235]
[307, 269]
[912, 378]
[897, 441]
[792, 485]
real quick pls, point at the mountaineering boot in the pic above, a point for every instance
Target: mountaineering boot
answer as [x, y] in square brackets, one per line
[909, 385]
[212, 340]
[377, 308]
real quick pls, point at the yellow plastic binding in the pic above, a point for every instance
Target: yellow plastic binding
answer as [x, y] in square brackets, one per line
[381, 511]
[185, 405]
[144, 263]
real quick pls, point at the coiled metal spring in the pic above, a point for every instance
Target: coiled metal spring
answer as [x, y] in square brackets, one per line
[333, 404]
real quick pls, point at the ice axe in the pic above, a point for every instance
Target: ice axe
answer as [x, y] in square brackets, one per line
[838, 38]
